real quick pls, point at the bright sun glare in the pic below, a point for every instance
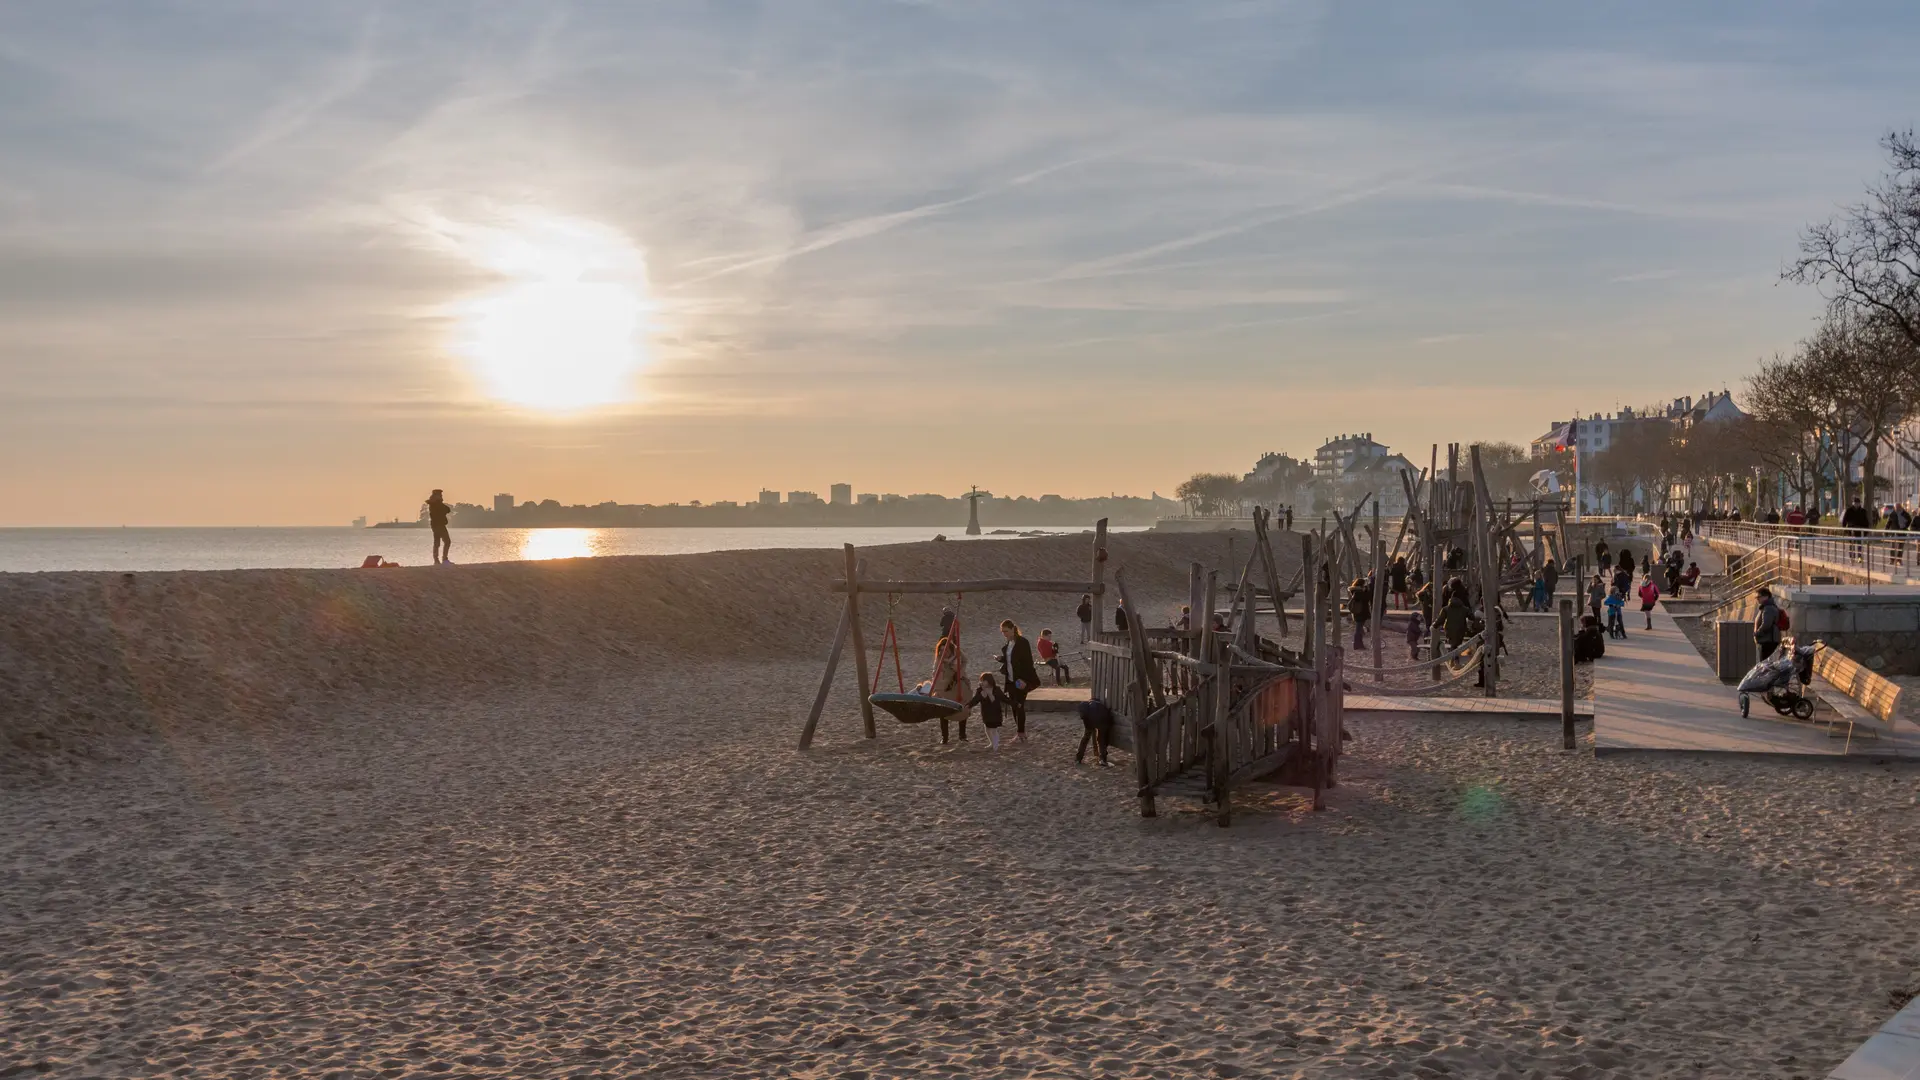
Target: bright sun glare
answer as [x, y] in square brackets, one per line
[566, 330]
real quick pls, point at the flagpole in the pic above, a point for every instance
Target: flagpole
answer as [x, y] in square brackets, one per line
[1576, 472]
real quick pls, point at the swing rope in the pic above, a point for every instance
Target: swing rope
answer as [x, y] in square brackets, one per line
[889, 638]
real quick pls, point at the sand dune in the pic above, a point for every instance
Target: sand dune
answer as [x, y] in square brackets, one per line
[90, 664]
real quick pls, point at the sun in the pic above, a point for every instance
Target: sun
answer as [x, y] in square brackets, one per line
[566, 330]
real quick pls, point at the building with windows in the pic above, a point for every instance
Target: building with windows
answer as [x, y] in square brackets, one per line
[868, 498]
[502, 504]
[769, 498]
[802, 498]
[840, 494]
[1336, 456]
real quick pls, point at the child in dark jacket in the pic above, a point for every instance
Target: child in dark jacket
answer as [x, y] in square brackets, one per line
[991, 700]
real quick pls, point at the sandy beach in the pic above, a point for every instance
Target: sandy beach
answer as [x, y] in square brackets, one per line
[547, 820]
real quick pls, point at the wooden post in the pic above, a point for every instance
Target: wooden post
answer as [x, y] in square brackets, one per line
[859, 640]
[1566, 673]
[1143, 673]
[1207, 650]
[1099, 576]
[1489, 574]
[1222, 726]
[1379, 612]
[1310, 612]
[826, 680]
[1335, 589]
[1196, 596]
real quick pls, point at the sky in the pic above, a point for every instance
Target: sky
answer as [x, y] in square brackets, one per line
[292, 264]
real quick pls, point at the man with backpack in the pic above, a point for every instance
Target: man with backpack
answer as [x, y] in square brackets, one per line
[1769, 624]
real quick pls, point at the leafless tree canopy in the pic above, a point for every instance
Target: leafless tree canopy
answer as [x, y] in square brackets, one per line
[1867, 260]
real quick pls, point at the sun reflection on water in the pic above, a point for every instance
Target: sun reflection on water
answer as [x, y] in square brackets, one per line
[557, 544]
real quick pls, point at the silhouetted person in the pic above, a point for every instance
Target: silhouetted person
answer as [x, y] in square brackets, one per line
[437, 511]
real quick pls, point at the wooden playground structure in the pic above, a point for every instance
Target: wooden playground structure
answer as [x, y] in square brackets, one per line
[1214, 706]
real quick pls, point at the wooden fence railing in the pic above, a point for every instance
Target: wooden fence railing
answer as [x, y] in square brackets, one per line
[1278, 717]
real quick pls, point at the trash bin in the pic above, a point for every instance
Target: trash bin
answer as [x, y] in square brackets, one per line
[1735, 647]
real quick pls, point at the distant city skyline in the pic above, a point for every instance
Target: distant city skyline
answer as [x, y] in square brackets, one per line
[290, 264]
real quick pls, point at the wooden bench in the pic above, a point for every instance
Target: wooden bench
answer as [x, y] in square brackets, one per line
[1855, 694]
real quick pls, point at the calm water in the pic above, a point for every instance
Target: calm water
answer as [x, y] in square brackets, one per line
[27, 550]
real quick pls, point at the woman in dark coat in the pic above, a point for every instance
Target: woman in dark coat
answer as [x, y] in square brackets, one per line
[1016, 666]
[1397, 579]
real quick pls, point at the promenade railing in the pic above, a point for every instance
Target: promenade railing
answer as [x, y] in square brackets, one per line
[1859, 556]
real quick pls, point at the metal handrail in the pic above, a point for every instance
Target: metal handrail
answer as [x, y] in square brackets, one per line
[1872, 557]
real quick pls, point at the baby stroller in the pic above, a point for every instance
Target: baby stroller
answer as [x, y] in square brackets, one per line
[1779, 679]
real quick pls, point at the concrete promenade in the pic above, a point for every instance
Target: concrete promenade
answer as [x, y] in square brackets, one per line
[1653, 693]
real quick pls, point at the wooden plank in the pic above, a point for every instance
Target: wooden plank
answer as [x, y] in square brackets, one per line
[1150, 699]
[1567, 741]
[983, 585]
[1489, 574]
[859, 643]
[826, 680]
[1379, 612]
[1877, 695]
[1099, 575]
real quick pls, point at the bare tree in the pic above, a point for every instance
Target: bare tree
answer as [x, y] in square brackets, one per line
[1867, 260]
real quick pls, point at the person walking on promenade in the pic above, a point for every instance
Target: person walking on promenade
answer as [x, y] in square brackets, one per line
[1766, 624]
[1016, 666]
[437, 513]
[1616, 605]
[1649, 596]
[1596, 595]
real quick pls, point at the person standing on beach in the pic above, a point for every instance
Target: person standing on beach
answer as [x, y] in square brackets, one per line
[1016, 666]
[991, 701]
[1085, 612]
[947, 619]
[437, 512]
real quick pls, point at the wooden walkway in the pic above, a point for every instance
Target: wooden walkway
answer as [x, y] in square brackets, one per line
[1653, 693]
[1522, 708]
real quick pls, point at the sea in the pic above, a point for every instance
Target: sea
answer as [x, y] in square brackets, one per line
[38, 550]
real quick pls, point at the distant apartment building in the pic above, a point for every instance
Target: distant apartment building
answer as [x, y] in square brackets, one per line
[868, 498]
[1595, 433]
[840, 494]
[802, 498]
[727, 504]
[890, 497]
[502, 503]
[769, 498]
[1336, 456]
